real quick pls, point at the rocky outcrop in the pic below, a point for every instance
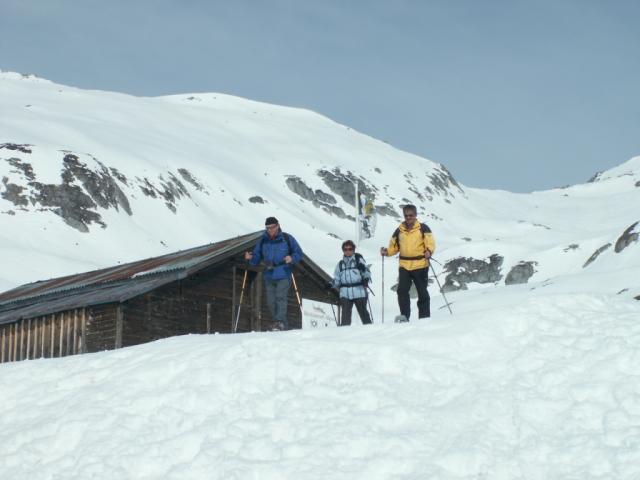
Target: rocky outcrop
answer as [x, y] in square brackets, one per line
[319, 198]
[24, 148]
[442, 182]
[14, 193]
[297, 186]
[520, 273]
[465, 270]
[595, 255]
[69, 202]
[99, 185]
[387, 210]
[343, 185]
[256, 199]
[188, 177]
[628, 237]
[85, 186]
[595, 177]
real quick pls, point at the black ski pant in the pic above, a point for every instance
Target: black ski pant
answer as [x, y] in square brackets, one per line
[346, 306]
[420, 280]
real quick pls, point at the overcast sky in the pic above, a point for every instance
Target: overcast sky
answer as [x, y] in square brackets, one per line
[518, 95]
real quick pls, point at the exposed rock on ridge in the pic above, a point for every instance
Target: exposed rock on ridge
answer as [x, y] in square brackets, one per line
[465, 270]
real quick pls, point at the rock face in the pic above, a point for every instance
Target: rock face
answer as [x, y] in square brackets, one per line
[520, 273]
[84, 188]
[627, 238]
[319, 198]
[100, 186]
[596, 254]
[256, 199]
[343, 185]
[23, 148]
[188, 177]
[464, 270]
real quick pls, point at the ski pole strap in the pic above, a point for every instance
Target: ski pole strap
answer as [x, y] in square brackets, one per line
[412, 258]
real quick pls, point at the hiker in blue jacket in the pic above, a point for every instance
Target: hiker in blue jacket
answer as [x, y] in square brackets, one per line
[279, 251]
[352, 277]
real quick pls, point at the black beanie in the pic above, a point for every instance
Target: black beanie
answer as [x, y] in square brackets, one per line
[271, 221]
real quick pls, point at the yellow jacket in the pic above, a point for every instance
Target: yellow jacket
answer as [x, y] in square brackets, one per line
[413, 243]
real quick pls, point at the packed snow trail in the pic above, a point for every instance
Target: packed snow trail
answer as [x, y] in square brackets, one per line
[547, 390]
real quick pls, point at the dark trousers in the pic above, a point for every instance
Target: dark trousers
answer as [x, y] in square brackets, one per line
[277, 299]
[346, 305]
[420, 279]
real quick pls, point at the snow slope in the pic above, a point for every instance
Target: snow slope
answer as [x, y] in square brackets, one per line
[547, 389]
[532, 380]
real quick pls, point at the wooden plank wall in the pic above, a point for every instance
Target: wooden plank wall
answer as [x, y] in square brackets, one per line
[48, 336]
[206, 302]
[199, 304]
[102, 326]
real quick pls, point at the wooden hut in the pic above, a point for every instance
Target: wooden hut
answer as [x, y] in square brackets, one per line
[191, 291]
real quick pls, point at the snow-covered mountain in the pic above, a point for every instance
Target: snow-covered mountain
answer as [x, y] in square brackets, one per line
[535, 375]
[91, 178]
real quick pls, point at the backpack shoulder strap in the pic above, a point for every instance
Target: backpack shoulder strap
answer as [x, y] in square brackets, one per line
[396, 235]
[424, 228]
[287, 238]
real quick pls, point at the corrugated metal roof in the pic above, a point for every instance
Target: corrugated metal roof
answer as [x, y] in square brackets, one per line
[113, 284]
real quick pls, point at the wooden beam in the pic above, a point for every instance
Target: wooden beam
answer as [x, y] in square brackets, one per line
[75, 332]
[2, 348]
[233, 299]
[83, 336]
[21, 356]
[53, 336]
[67, 331]
[26, 353]
[61, 333]
[36, 337]
[208, 317]
[119, 320]
[43, 335]
[15, 340]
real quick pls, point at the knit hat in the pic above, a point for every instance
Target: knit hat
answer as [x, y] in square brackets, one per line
[271, 221]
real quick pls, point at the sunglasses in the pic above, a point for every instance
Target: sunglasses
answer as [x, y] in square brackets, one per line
[271, 227]
[410, 215]
[345, 249]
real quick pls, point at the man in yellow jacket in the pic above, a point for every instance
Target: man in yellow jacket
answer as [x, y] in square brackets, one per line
[415, 243]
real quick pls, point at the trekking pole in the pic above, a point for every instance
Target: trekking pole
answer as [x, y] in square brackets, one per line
[295, 287]
[335, 319]
[370, 309]
[244, 282]
[367, 289]
[382, 288]
[440, 286]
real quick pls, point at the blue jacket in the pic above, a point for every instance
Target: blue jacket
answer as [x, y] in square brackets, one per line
[349, 278]
[272, 253]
